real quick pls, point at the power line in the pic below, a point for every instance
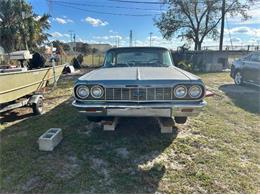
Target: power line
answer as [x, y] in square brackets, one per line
[140, 2]
[150, 38]
[131, 38]
[108, 13]
[156, 3]
[108, 6]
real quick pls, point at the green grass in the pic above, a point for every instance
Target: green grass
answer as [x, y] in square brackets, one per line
[216, 152]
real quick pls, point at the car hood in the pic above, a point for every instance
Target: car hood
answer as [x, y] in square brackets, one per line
[138, 73]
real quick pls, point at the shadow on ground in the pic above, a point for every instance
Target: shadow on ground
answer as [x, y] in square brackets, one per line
[87, 161]
[15, 115]
[246, 97]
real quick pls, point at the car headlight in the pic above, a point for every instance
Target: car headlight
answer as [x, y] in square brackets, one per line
[180, 91]
[97, 91]
[82, 91]
[195, 91]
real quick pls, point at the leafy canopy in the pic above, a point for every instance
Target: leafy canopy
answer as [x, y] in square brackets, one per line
[20, 28]
[194, 20]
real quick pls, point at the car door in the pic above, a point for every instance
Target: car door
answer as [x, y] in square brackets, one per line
[245, 68]
[255, 68]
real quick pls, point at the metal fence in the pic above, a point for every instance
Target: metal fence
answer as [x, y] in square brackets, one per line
[234, 48]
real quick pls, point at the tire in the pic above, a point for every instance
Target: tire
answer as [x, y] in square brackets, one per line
[238, 79]
[38, 107]
[180, 120]
[95, 118]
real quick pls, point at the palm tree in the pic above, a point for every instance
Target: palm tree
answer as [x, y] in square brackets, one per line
[35, 30]
[20, 27]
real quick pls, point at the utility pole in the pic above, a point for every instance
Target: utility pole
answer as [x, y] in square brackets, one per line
[74, 42]
[150, 38]
[118, 41]
[49, 6]
[131, 38]
[71, 44]
[115, 41]
[223, 9]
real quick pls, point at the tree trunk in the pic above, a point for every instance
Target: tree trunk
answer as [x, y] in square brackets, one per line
[196, 42]
[195, 46]
[222, 25]
[199, 46]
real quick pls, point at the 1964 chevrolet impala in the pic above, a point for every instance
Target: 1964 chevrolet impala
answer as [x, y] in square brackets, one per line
[139, 81]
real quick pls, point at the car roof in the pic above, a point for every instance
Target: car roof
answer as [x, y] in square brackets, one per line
[135, 48]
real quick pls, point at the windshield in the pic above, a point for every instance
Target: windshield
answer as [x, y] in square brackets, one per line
[138, 57]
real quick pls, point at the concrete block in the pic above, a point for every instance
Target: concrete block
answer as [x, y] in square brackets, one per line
[166, 124]
[50, 139]
[110, 125]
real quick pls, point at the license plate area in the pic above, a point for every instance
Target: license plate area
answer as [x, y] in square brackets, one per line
[159, 112]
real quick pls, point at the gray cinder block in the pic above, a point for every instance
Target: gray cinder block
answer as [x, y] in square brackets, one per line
[50, 139]
[166, 124]
[110, 125]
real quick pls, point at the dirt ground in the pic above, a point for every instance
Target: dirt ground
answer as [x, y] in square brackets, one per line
[216, 152]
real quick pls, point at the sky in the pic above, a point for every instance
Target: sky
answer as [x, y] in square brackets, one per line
[110, 21]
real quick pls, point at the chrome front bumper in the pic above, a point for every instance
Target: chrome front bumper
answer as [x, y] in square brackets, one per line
[146, 109]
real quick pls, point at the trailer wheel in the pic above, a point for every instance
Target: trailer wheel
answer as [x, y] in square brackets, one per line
[38, 107]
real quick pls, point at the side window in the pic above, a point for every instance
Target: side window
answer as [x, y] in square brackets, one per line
[109, 61]
[255, 58]
[247, 58]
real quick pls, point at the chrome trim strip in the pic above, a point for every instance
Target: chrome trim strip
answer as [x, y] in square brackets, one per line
[141, 110]
[251, 83]
[151, 105]
[113, 93]
[135, 101]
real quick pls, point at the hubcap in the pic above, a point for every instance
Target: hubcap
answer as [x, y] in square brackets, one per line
[238, 78]
[40, 106]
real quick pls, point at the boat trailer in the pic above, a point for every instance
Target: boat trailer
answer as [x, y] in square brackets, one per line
[34, 101]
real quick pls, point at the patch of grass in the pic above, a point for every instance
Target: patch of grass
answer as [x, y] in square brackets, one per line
[216, 152]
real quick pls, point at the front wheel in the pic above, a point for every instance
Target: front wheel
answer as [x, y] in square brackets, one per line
[180, 120]
[238, 78]
[38, 107]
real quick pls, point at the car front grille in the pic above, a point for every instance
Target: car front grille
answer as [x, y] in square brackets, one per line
[138, 94]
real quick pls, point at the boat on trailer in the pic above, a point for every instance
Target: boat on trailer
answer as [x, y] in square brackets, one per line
[21, 87]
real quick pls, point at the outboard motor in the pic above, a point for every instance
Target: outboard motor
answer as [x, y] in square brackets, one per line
[37, 61]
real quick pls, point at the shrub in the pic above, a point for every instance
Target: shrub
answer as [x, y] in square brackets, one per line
[80, 58]
[75, 63]
[185, 65]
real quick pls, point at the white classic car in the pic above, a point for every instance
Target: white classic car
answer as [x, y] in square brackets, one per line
[139, 81]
